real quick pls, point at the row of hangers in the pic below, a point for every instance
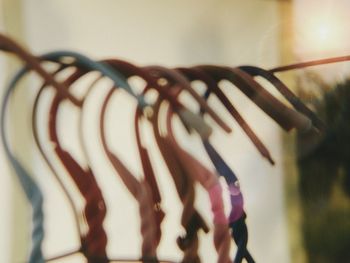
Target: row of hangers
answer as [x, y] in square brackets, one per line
[184, 168]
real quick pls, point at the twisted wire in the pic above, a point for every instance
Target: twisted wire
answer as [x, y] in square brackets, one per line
[148, 227]
[95, 213]
[210, 182]
[221, 232]
[149, 178]
[31, 189]
[189, 243]
[34, 195]
[222, 242]
[237, 215]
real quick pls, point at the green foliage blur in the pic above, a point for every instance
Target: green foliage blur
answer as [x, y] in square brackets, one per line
[324, 184]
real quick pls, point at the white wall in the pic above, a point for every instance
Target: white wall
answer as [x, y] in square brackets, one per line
[169, 33]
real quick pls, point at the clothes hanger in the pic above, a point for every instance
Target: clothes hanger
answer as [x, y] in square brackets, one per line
[138, 110]
[43, 154]
[32, 192]
[318, 123]
[96, 239]
[130, 70]
[102, 118]
[150, 75]
[149, 175]
[210, 182]
[141, 194]
[8, 45]
[193, 74]
[286, 92]
[84, 178]
[191, 220]
[51, 167]
[139, 190]
[174, 76]
[54, 84]
[286, 117]
[237, 214]
[189, 120]
[151, 83]
[33, 63]
[56, 54]
[220, 244]
[29, 186]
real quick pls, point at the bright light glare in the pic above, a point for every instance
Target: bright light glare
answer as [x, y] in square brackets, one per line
[322, 35]
[317, 33]
[321, 31]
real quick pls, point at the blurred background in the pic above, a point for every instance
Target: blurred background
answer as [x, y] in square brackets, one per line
[297, 210]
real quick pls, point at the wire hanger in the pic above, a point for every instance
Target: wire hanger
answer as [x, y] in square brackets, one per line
[237, 214]
[141, 196]
[171, 76]
[286, 92]
[95, 207]
[191, 220]
[211, 183]
[212, 87]
[222, 244]
[95, 239]
[139, 190]
[301, 118]
[51, 167]
[32, 191]
[132, 70]
[286, 117]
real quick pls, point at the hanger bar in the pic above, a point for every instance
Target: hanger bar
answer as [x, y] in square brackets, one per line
[310, 64]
